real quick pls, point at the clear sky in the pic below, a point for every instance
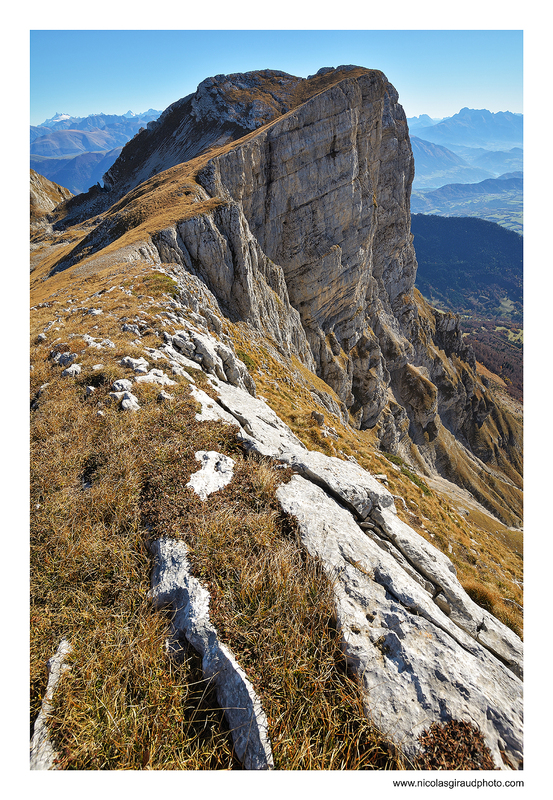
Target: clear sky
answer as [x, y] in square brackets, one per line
[436, 72]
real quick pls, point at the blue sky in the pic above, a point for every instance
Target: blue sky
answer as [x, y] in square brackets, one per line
[436, 72]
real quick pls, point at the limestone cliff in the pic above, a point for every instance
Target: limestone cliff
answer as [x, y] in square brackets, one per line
[298, 221]
[255, 244]
[45, 195]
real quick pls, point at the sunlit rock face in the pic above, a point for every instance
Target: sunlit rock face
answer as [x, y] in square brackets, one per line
[299, 224]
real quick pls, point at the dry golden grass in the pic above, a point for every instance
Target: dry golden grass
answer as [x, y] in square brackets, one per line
[102, 486]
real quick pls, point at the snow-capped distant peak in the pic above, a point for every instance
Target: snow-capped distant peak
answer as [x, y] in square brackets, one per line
[58, 117]
[129, 114]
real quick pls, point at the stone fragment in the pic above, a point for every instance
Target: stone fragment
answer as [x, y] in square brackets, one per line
[139, 365]
[156, 376]
[175, 587]
[122, 385]
[215, 473]
[176, 369]
[126, 400]
[71, 371]
[42, 753]
[131, 328]
[64, 359]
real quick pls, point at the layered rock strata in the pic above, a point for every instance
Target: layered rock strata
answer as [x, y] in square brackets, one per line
[423, 651]
[297, 222]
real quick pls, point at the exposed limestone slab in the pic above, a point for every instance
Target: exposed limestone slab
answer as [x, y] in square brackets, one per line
[351, 483]
[264, 432]
[173, 586]
[215, 473]
[462, 610]
[43, 754]
[156, 376]
[261, 430]
[414, 664]
[211, 410]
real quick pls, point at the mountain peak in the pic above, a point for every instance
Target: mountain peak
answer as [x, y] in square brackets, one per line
[256, 243]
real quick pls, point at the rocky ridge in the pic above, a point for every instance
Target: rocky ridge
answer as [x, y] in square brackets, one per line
[45, 196]
[298, 236]
[306, 237]
[423, 651]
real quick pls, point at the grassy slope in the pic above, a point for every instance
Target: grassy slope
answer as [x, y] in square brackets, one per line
[102, 485]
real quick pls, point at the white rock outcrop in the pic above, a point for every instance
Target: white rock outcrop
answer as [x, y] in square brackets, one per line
[156, 376]
[422, 649]
[216, 472]
[126, 400]
[174, 587]
[414, 664]
[43, 754]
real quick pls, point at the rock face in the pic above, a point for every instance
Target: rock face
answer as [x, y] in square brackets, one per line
[44, 197]
[307, 239]
[422, 649]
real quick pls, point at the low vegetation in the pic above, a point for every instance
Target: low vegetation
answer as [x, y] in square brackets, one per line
[103, 486]
[454, 745]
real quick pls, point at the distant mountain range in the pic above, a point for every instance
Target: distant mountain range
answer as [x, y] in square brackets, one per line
[469, 147]
[477, 128]
[493, 199]
[76, 151]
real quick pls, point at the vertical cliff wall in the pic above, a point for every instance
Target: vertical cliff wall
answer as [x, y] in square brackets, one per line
[301, 228]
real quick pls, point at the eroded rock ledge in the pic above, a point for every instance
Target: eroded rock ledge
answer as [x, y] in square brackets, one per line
[175, 588]
[423, 651]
